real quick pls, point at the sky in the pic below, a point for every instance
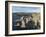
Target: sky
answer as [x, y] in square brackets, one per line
[25, 9]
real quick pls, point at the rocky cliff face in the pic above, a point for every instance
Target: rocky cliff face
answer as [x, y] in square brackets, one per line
[31, 21]
[36, 17]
